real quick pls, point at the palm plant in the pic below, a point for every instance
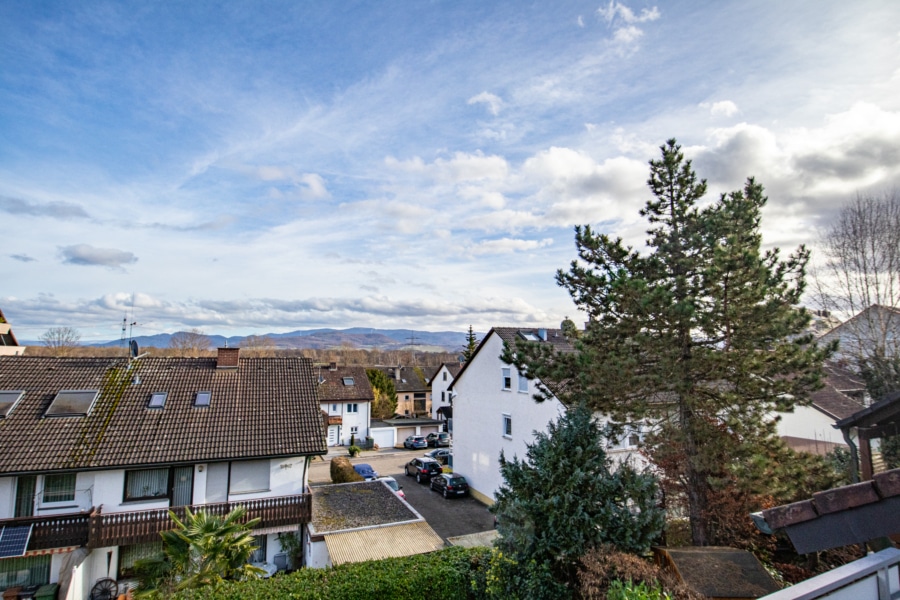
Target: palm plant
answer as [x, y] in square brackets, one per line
[203, 549]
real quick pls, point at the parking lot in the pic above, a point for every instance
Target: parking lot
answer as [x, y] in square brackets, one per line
[448, 517]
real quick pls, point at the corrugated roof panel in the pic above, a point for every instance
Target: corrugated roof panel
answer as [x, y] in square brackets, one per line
[382, 542]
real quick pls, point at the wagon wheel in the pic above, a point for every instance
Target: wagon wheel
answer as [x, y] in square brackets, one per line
[105, 589]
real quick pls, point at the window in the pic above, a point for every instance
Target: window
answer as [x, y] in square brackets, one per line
[202, 398]
[354, 430]
[25, 571]
[507, 426]
[129, 554]
[506, 377]
[72, 403]
[334, 409]
[353, 408]
[530, 336]
[59, 488]
[8, 400]
[259, 555]
[523, 383]
[146, 484]
[157, 400]
[249, 476]
[445, 375]
[347, 380]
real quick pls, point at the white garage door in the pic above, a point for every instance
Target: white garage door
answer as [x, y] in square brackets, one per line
[403, 433]
[384, 437]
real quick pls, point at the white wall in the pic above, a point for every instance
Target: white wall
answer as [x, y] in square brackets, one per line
[439, 395]
[315, 553]
[359, 419]
[478, 410]
[7, 497]
[809, 423]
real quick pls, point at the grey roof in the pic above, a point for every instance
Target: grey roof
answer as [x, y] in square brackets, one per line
[345, 506]
[333, 389]
[262, 407]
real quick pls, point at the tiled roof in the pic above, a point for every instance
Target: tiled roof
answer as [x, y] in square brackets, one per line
[833, 398]
[412, 379]
[333, 389]
[265, 407]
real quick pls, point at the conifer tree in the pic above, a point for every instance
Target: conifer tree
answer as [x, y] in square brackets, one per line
[471, 345]
[699, 336]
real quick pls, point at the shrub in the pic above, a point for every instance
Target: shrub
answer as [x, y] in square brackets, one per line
[342, 471]
[354, 450]
[448, 574]
[601, 568]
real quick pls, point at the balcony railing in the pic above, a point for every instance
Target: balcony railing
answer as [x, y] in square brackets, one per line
[54, 531]
[114, 529]
[96, 529]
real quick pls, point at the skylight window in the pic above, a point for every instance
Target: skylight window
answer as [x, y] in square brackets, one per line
[72, 403]
[8, 401]
[347, 380]
[157, 400]
[530, 336]
[202, 398]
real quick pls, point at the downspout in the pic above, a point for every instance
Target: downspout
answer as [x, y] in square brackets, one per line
[854, 455]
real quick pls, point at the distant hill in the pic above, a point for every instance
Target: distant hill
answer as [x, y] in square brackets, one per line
[357, 337]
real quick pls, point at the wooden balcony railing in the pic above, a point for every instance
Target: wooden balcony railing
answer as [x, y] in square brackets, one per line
[96, 529]
[114, 529]
[54, 531]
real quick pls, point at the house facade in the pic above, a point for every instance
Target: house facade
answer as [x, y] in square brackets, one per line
[494, 411]
[441, 401]
[874, 330]
[94, 452]
[346, 397]
[413, 390]
[9, 345]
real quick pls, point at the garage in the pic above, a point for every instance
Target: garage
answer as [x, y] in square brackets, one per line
[383, 436]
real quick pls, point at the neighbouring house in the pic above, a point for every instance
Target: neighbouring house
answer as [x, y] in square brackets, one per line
[875, 330]
[94, 452]
[356, 522]
[9, 345]
[441, 400]
[413, 390]
[811, 428]
[494, 410]
[346, 398]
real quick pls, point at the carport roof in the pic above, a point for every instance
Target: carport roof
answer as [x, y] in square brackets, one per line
[405, 539]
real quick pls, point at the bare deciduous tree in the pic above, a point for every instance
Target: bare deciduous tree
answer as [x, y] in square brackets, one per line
[61, 340]
[860, 280]
[189, 343]
[257, 346]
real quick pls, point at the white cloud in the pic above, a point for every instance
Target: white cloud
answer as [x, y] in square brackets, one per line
[493, 102]
[725, 108]
[616, 10]
[507, 246]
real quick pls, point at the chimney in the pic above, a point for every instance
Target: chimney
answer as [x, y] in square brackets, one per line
[228, 358]
[332, 366]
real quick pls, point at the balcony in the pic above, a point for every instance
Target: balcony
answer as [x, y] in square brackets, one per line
[96, 529]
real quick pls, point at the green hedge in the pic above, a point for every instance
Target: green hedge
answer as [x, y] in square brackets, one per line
[448, 574]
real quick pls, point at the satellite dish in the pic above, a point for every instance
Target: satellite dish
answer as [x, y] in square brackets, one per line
[133, 348]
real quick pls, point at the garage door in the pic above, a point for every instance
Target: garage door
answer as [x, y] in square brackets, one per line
[403, 433]
[427, 430]
[384, 437]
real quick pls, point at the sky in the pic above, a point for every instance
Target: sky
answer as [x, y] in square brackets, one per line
[260, 167]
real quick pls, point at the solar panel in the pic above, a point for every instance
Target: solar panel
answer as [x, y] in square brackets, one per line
[14, 541]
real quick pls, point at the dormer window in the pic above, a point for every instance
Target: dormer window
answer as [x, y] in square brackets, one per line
[202, 398]
[8, 401]
[157, 400]
[72, 403]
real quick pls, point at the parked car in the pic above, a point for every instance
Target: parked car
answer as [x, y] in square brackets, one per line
[366, 471]
[438, 440]
[442, 455]
[423, 468]
[450, 484]
[392, 483]
[415, 441]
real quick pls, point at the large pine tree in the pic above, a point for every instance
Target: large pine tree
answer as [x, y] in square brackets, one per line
[699, 335]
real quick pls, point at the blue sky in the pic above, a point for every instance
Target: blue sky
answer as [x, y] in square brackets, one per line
[253, 167]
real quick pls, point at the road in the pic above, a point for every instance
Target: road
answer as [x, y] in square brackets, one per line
[448, 517]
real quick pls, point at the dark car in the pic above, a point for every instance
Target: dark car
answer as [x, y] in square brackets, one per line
[442, 455]
[438, 440]
[450, 484]
[366, 471]
[423, 468]
[415, 441]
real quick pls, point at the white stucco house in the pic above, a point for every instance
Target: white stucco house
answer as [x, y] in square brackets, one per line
[346, 398]
[494, 410]
[94, 452]
[441, 406]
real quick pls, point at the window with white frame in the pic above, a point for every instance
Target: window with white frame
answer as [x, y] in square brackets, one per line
[146, 484]
[354, 430]
[507, 426]
[249, 476]
[59, 488]
[506, 378]
[352, 408]
[523, 383]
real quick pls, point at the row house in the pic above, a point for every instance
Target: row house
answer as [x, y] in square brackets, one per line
[346, 398]
[441, 396]
[94, 452]
[413, 388]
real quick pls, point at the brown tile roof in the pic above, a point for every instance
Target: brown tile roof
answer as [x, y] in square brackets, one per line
[265, 407]
[412, 379]
[832, 399]
[332, 388]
